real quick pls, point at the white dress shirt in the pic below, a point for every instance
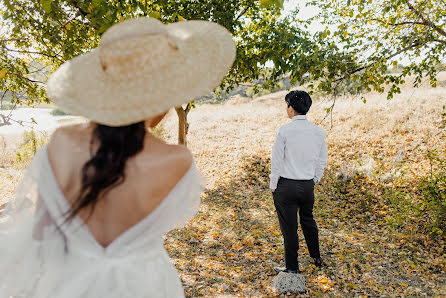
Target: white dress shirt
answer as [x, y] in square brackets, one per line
[299, 152]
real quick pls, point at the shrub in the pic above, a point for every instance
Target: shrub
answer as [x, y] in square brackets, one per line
[424, 210]
[434, 195]
[31, 143]
[58, 112]
[159, 131]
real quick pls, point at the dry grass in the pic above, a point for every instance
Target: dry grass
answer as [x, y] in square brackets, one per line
[221, 135]
[236, 232]
[230, 248]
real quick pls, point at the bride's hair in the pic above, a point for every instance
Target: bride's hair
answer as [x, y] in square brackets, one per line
[105, 170]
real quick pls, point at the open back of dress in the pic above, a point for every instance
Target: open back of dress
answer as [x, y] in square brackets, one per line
[44, 256]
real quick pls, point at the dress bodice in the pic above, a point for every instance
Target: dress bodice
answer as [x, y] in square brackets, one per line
[70, 262]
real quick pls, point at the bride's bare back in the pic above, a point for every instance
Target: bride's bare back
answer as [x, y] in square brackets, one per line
[149, 177]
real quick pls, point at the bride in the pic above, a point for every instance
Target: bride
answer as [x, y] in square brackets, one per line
[91, 210]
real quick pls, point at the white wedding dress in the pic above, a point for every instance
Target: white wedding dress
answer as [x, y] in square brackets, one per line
[43, 256]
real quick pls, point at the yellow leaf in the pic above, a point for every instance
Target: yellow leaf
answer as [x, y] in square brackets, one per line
[3, 73]
[395, 63]
[403, 285]
[276, 233]
[121, 19]
[181, 19]
[68, 26]
[90, 8]
[345, 34]
[324, 280]
[341, 256]
[413, 266]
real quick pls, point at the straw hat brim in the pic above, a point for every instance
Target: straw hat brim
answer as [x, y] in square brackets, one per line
[205, 53]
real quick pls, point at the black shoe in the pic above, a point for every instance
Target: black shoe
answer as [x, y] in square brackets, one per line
[318, 262]
[283, 269]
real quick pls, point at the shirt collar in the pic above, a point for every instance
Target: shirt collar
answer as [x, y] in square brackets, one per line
[299, 117]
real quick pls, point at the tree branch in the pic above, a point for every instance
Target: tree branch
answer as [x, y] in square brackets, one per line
[83, 12]
[401, 23]
[373, 63]
[427, 21]
[188, 108]
[242, 13]
[29, 52]
[13, 39]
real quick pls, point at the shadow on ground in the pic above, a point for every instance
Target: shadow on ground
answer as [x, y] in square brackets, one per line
[233, 244]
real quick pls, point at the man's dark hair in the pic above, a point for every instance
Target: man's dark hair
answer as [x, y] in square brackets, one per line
[299, 100]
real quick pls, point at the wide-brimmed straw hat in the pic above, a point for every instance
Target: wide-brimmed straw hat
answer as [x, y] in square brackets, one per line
[141, 69]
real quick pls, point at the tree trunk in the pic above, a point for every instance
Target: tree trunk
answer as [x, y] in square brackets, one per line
[183, 125]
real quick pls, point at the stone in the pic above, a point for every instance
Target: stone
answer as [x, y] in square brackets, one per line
[286, 282]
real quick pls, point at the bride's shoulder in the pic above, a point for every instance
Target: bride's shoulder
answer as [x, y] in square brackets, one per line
[178, 158]
[67, 138]
[73, 131]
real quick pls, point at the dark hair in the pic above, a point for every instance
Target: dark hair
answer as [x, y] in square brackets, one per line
[105, 170]
[299, 100]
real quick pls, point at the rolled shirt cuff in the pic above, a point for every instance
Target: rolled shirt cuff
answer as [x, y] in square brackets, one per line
[273, 182]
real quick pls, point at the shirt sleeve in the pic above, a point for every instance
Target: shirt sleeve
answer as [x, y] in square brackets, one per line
[321, 161]
[277, 159]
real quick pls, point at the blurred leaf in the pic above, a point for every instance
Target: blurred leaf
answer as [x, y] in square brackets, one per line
[3, 73]
[155, 14]
[46, 5]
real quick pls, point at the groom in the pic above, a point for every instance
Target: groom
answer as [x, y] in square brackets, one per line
[298, 160]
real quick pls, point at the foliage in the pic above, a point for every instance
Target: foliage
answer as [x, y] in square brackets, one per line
[45, 33]
[376, 34]
[57, 112]
[31, 143]
[423, 211]
[434, 194]
[158, 131]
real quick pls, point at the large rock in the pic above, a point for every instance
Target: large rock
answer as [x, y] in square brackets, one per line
[289, 282]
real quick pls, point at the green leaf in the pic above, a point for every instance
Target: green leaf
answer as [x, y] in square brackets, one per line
[46, 5]
[155, 15]
[271, 3]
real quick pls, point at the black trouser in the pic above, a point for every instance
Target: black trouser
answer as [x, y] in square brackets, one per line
[289, 196]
